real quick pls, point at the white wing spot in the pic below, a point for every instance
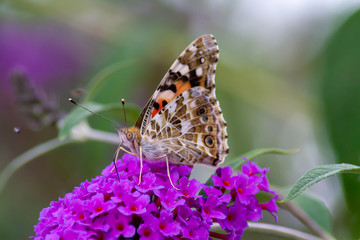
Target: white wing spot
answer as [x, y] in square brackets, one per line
[167, 95]
[175, 64]
[179, 67]
[193, 104]
[184, 69]
[185, 95]
[192, 48]
[172, 108]
[199, 71]
[202, 60]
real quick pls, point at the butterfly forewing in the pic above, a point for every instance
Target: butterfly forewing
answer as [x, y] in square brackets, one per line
[194, 67]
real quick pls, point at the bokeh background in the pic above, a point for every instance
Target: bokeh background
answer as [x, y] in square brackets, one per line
[288, 77]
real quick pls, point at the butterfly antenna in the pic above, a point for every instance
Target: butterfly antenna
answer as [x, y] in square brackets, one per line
[123, 104]
[77, 104]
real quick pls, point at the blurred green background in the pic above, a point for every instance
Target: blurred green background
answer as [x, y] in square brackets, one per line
[288, 76]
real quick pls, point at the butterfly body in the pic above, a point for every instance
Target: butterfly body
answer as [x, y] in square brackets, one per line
[182, 122]
[152, 149]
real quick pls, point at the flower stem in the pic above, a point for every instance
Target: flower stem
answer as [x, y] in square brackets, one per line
[29, 155]
[18, 162]
[283, 232]
[218, 235]
[304, 218]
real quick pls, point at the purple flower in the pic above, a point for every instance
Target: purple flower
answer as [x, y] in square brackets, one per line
[148, 183]
[222, 197]
[271, 207]
[223, 178]
[209, 208]
[235, 217]
[169, 198]
[119, 226]
[194, 230]
[120, 189]
[98, 206]
[167, 225]
[108, 208]
[149, 229]
[189, 188]
[252, 168]
[134, 205]
[243, 189]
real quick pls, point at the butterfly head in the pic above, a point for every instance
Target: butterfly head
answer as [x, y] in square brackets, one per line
[129, 137]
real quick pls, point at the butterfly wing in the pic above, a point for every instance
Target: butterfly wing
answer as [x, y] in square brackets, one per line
[191, 129]
[194, 67]
[183, 118]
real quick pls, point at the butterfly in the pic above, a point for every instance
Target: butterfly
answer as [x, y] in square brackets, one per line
[182, 122]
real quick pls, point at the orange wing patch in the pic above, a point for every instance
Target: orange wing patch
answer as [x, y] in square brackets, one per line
[182, 87]
[166, 96]
[158, 106]
[195, 67]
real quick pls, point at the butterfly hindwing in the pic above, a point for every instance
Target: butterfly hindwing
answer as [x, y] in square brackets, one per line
[191, 128]
[194, 67]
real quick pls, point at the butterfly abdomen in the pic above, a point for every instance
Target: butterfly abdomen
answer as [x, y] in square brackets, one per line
[153, 150]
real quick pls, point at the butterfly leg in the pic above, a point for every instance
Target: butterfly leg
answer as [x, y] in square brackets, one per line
[117, 155]
[123, 149]
[141, 165]
[168, 172]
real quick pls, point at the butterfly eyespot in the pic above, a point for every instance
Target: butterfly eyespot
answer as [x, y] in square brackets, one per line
[201, 60]
[201, 111]
[205, 118]
[210, 128]
[209, 141]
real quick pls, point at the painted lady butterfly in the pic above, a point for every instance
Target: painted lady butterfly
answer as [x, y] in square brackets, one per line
[182, 122]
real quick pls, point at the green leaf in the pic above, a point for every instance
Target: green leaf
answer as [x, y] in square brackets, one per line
[319, 173]
[263, 196]
[340, 86]
[78, 114]
[316, 210]
[238, 161]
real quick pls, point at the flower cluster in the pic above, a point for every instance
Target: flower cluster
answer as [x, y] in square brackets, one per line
[109, 208]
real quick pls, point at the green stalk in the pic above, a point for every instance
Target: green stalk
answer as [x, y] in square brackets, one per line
[29, 155]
